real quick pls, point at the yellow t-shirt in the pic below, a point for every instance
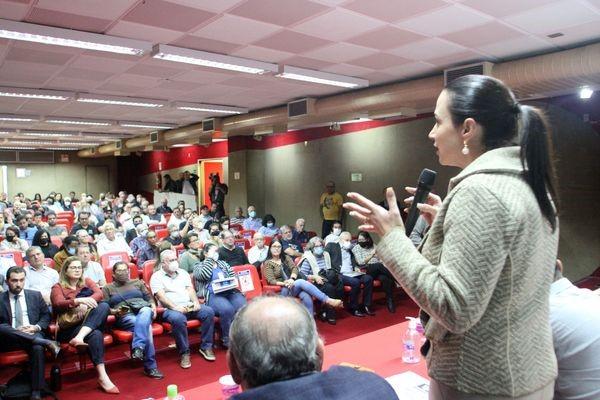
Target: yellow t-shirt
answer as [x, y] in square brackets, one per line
[332, 206]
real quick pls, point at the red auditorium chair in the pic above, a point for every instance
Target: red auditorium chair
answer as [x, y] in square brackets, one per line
[246, 233]
[248, 280]
[241, 243]
[133, 273]
[236, 227]
[109, 259]
[265, 285]
[14, 255]
[127, 336]
[66, 222]
[148, 270]
[154, 227]
[16, 357]
[56, 241]
[311, 234]
[161, 234]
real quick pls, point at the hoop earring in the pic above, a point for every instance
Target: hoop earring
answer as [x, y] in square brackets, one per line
[465, 149]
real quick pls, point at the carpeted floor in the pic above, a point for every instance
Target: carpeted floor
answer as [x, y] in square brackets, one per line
[128, 375]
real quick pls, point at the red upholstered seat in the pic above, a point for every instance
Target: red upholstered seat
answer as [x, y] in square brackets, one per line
[266, 287]
[127, 336]
[154, 227]
[148, 270]
[13, 357]
[57, 241]
[133, 273]
[15, 255]
[191, 324]
[161, 233]
[248, 280]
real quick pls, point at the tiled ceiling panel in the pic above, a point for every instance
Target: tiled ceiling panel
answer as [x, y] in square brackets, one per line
[277, 12]
[234, 29]
[155, 12]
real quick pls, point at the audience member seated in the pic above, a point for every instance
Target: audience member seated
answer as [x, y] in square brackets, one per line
[176, 218]
[67, 204]
[188, 216]
[253, 222]
[144, 246]
[38, 222]
[81, 316]
[3, 224]
[211, 234]
[280, 270]
[229, 252]
[26, 232]
[276, 353]
[12, 241]
[204, 216]
[334, 236]
[298, 233]
[193, 224]
[291, 247]
[268, 227]
[173, 288]
[238, 217]
[364, 254]
[24, 317]
[134, 307]
[316, 266]
[85, 223]
[153, 216]
[84, 238]
[39, 276]
[258, 252]
[224, 223]
[164, 207]
[91, 269]
[111, 242]
[109, 217]
[191, 255]
[53, 229]
[174, 235]
[342, 259]
[575, 326]
[68, 249]
[132, 233]
[225, 303]
[42, 240]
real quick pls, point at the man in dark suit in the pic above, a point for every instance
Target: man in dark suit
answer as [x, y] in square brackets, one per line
[24, 315]
[276, 353]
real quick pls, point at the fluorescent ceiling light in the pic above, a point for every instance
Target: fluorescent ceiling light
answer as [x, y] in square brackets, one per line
[18, 118]
[212, 60]
[148, 125]
[35, 93]
[215, 140]
[71, 38]
[2, 147]
[586, 93]
[119, 101]
[77, 121]
[212, 108]
[62, 148]
[81, 143]
[31, 142]
[182, 145]
[324, 78]
[49, 134]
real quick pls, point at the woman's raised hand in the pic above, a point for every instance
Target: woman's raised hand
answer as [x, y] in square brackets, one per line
[429, 209]
[373, 217]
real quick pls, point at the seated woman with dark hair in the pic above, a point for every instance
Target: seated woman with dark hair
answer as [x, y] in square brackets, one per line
[12, 241]
[225, 303]
[280, 270]
[68, 249]
[42, 239]
[81, 316]
[268, 227]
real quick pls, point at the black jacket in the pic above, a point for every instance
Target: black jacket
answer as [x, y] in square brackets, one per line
[37, 310]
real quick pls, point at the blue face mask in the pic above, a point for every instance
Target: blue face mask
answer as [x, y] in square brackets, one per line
[269, 224]
[71, 251]
[318, 251]
[252, 214]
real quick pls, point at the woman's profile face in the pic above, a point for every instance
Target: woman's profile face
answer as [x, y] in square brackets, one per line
[447, 139]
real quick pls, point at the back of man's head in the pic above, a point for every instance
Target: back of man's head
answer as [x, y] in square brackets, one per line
[273, 339]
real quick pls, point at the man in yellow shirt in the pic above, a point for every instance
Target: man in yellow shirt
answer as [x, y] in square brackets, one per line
[330, 207]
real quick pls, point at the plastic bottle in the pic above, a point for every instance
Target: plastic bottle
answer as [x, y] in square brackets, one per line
[172, 393]
[410, 341]
[55, 378]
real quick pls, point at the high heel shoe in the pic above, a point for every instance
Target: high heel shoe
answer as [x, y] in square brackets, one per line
[335, 303]
[110, 390]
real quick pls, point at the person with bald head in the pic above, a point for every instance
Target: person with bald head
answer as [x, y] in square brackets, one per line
[275, 352]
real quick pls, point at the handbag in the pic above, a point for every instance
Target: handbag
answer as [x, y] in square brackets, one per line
[75, 316]
[135, 304]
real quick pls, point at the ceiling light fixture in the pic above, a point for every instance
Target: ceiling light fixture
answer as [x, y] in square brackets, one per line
[81, 143]
[63, 148]
[182, 145]
[324, 78]
[585, 93]
[31, 142]
[119, 101]
[2, 147]
[216, 140]
[17, 118]
[211, 60]
[49, 134]
[35, 94]
[145, 125]
[76, 121]
[71, 38]
[212, 108]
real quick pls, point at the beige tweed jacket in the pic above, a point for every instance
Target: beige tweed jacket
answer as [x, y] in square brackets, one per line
[482, 281]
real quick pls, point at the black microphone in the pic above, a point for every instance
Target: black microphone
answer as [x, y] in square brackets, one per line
[426, 181]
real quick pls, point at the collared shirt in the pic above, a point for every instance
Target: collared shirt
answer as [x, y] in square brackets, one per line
[346, 262]
[175, 288]
[27, 234]
[361, 254]
[108, 246]
[332, 238]
[41, 279]
[253, 224]
[257, 255]
[143, 250]
[55, 230]
[23, 308]
[576, 332]
[94, 271]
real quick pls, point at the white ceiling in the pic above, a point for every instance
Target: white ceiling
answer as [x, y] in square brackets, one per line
[378, 40]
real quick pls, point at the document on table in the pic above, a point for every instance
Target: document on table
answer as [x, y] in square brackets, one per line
[409, 386]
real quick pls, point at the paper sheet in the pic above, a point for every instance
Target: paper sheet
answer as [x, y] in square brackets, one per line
[410, 386]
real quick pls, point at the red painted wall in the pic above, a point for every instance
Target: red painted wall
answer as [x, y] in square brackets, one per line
[179, 157]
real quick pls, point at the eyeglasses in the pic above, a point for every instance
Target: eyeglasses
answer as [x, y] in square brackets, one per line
[75, 267]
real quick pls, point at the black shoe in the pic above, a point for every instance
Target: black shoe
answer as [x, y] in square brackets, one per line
[368, 311]
[153, 373]
[331, 321]
[137, 354]
[323, 315]
[391, 306]
[54, 348]
[358, 313]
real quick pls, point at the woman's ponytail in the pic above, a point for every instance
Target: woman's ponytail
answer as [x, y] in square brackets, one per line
[536, 157]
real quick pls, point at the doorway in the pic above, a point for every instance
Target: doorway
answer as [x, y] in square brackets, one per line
[205, 168]
[96, 179]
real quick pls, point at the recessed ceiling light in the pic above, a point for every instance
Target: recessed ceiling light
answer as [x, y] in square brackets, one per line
[119, 101]
[324, 78]
[585, 93]
[215, 140]
[34, 94]
[212, 108]
[76, 121]
[17, 118]
[212, 60]
[182, 145]
[49, 134]
[71, 38]
[146, 125]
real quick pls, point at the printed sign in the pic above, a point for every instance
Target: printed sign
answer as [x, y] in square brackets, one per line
[245, 279]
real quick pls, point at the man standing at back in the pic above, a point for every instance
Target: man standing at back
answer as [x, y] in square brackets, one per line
[330, 207]
[275, 353]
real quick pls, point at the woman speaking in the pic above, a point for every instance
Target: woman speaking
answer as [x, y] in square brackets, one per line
[483, 275]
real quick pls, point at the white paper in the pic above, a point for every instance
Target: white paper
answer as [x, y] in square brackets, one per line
[409, 386]
[245, 279]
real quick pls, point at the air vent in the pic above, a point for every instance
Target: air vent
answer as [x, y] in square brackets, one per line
[154, 137]
[301, 108]
[42, 157]
[119, 144]
[8, 156]
[484, 68]
[93, 150]
[210, 125]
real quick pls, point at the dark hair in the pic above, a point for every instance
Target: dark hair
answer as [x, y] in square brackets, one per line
[187, 239]
[83, 214]
[68, 240]
[38, 236]
[118, 263]
[49, 213]
[15, 270]
[14, 230]
[267, 218]
[494, 107]
[281, 255]
[367, 237]
[204, 207]
[21, 218]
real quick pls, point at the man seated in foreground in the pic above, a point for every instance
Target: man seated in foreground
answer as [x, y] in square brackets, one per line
[275, 353]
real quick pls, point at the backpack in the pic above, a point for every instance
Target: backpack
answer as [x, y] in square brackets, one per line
[19, 388]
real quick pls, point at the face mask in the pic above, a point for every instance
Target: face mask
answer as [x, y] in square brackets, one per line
[364, 245]
[10, 238]
[214, 256]
[173, 266]
[318, 251]
[337, 231]
[136, 223]
[67, 203]
[71, 251]
[214, 233]
[44, 242]
[269, 224]
[347, 245]
[225, 227]
[175, 234]
[144, 232]
[122, 277]
[252, 214]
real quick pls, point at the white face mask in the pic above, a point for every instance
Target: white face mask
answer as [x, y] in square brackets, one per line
[269, 224]
[225, 227]
[214, 256]
[347, 245]
[173, 266]
[175, 234]
[337, 231]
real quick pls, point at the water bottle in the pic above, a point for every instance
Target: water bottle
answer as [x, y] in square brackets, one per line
[410, 341]
[172, 393]
[55, 378]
